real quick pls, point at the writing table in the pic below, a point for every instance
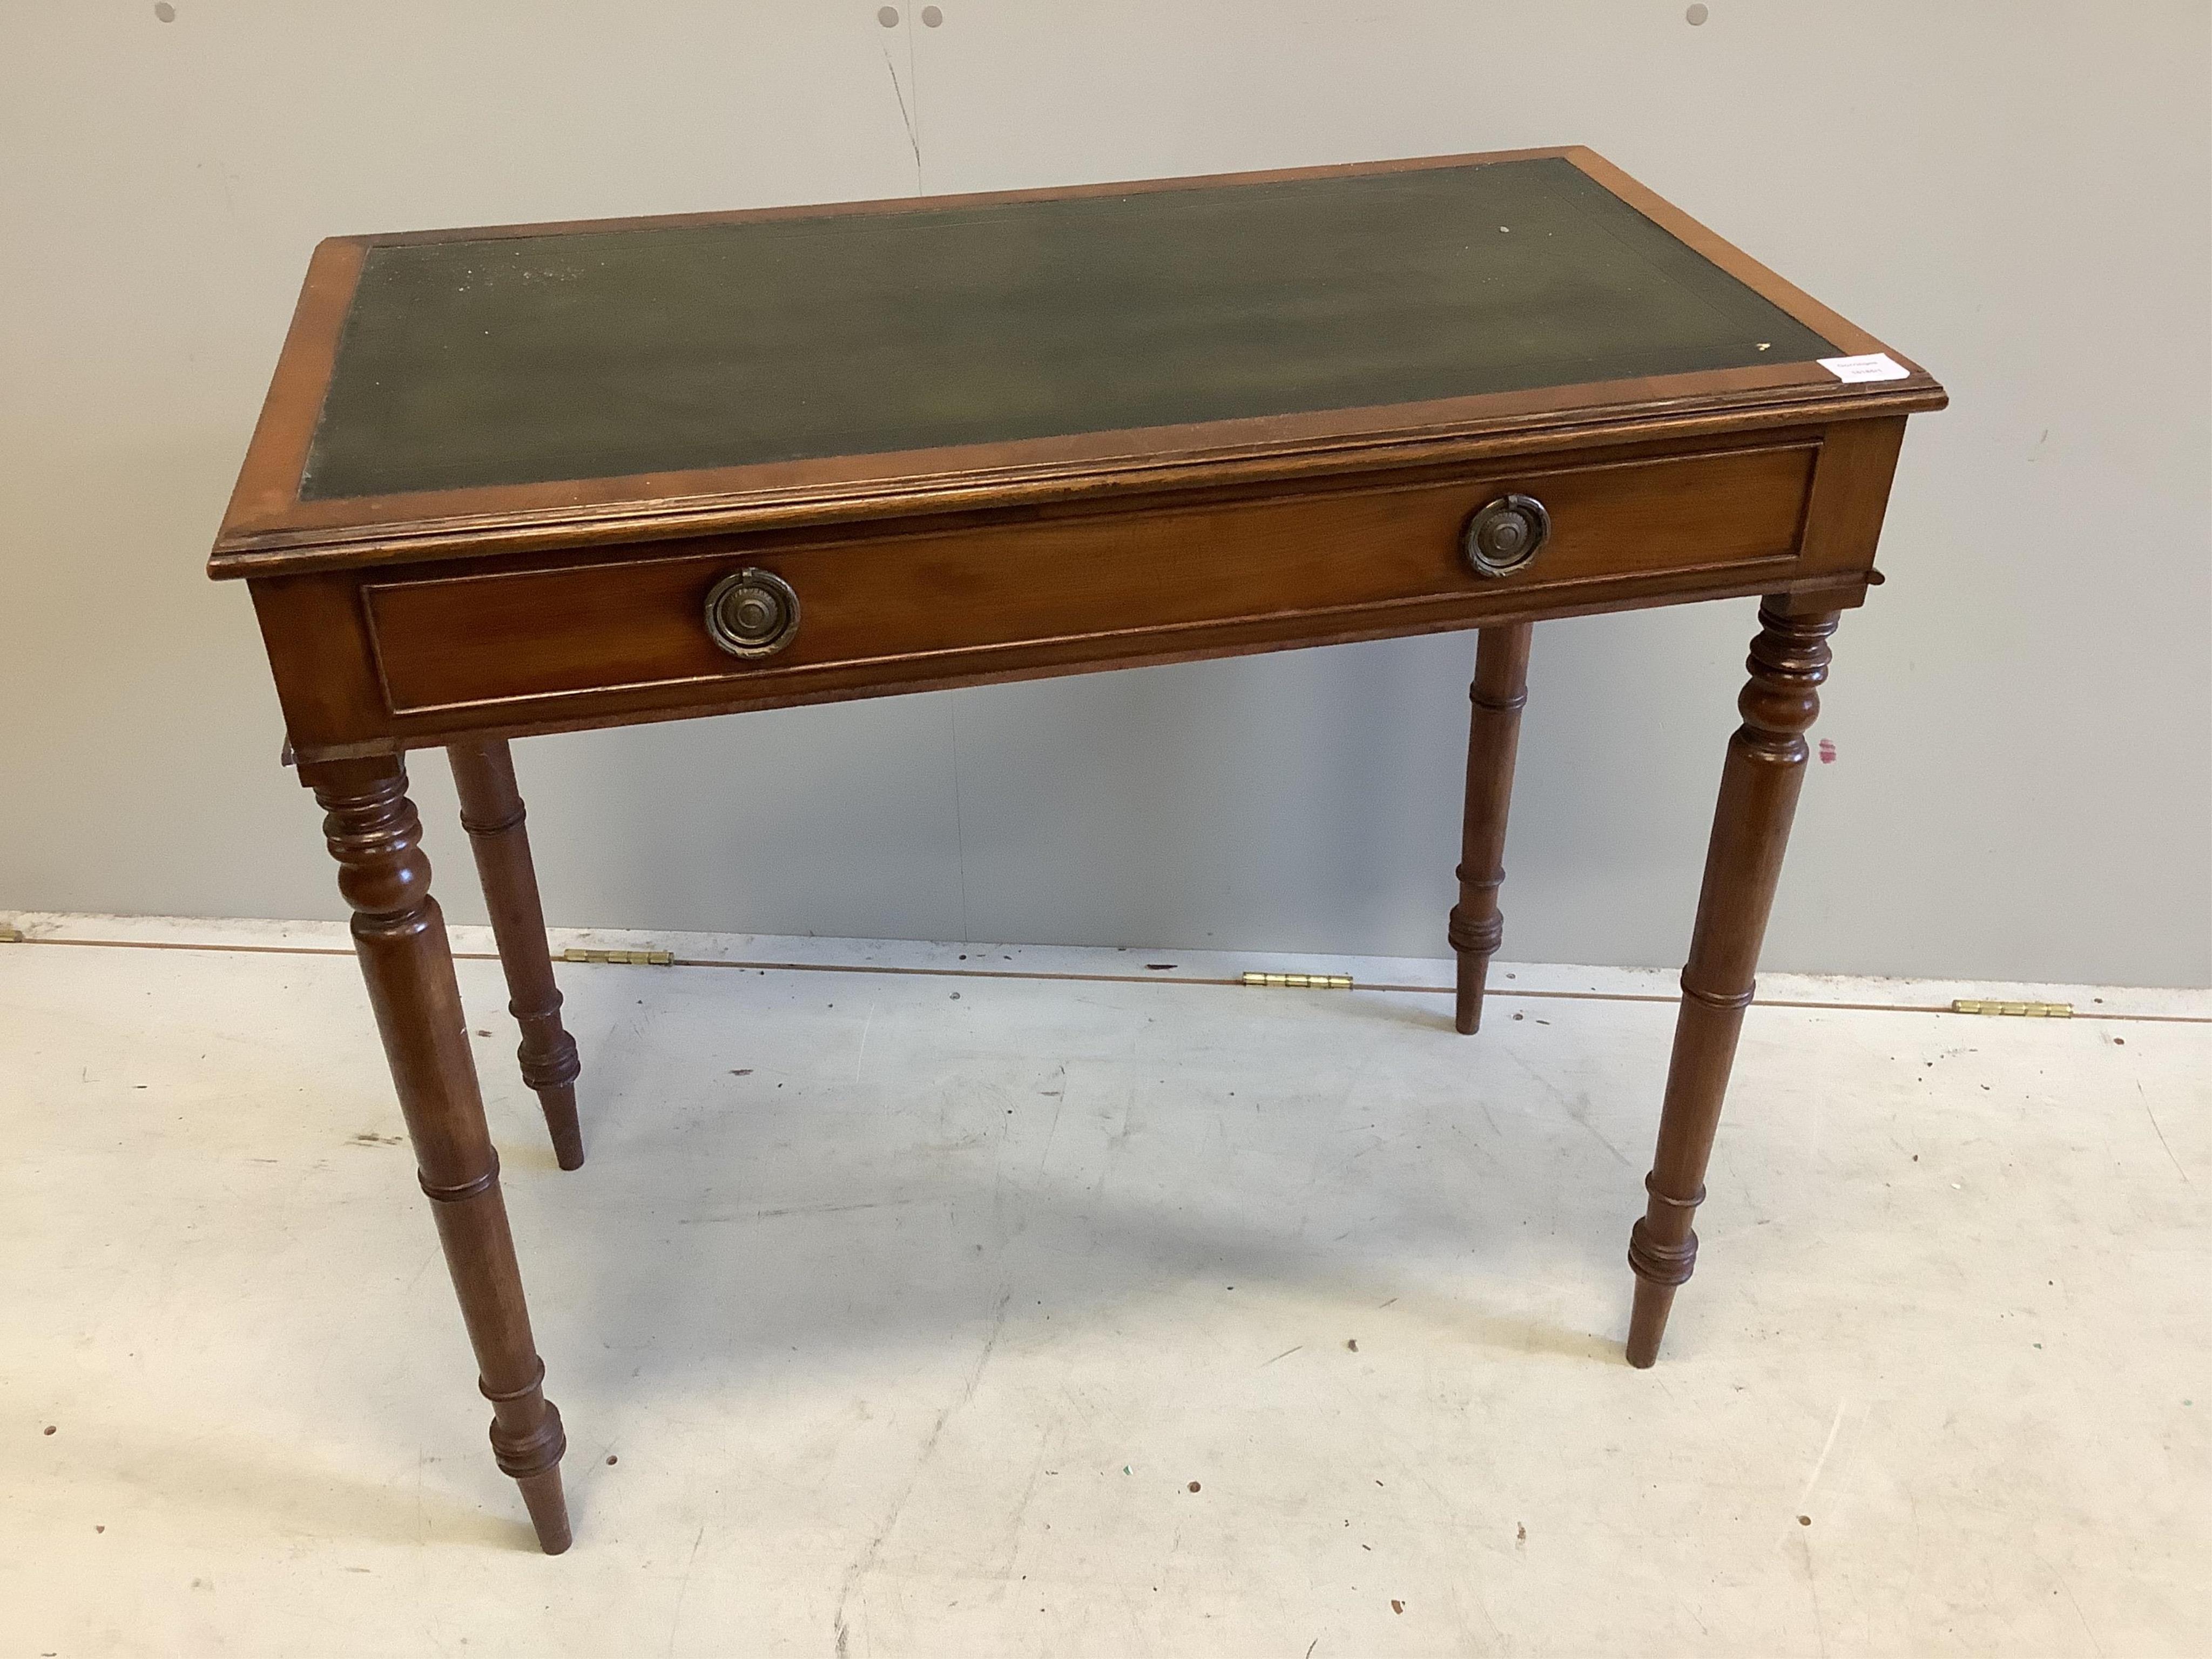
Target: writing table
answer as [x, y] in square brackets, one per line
[536, 478]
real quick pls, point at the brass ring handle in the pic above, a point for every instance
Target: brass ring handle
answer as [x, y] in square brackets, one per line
[753, 613]
[1505, 535]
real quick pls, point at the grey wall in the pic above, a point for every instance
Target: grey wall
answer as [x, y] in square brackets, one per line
[2017, 194]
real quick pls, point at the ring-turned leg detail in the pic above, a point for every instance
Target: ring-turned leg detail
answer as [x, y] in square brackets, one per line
[1477, 927]
[492, 813]
[1760, 783]
[400, 937]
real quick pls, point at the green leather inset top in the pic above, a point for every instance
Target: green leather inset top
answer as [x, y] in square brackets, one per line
[603, 353]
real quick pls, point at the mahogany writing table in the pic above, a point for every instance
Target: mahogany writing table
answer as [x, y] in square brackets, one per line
[542, 478]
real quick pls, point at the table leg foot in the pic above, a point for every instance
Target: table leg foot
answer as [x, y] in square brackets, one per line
[1477, 927]
[1759, 784]
[549, 1511]
[528, 1442]
[1648, 1322]
[375, 836]
[492, 813]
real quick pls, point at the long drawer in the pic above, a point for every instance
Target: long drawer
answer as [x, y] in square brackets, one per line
[951, 602]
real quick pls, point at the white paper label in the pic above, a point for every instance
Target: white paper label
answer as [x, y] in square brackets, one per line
[1875, 366]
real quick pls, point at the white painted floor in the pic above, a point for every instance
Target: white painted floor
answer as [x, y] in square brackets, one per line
[897, 1313]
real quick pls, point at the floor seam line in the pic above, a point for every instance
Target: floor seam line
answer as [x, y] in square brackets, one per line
[1040, 976]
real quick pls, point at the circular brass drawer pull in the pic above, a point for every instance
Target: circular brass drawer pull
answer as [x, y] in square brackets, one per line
[1505, 535]
[753, 613]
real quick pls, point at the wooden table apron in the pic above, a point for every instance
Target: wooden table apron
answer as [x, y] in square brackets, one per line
[464, 617]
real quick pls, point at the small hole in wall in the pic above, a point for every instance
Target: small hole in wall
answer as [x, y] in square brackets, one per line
[932, 17]
[1695, 15]
[888, 17]
[166, 12]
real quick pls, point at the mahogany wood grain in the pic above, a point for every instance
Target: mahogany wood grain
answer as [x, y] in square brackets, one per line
[1760, 783]
[1093, 585]
[609, 636]
[492, 813]
[375, 835]
[1477, 925]
[365, 726]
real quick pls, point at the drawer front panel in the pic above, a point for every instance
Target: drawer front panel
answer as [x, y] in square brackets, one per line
[951, 602]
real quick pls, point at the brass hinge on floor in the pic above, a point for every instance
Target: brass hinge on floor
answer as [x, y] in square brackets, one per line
[623, 958]
[2031, 1009]
[1302, 981]
[11, 936]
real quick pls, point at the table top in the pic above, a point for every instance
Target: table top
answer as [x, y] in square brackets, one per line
[729, 369]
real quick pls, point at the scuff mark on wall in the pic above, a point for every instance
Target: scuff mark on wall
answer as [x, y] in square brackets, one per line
[908, 94]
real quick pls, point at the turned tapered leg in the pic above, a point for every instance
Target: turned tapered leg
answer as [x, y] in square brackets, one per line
[491, 811]
[1477, 927]
[1759, 782]
[400, 937]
